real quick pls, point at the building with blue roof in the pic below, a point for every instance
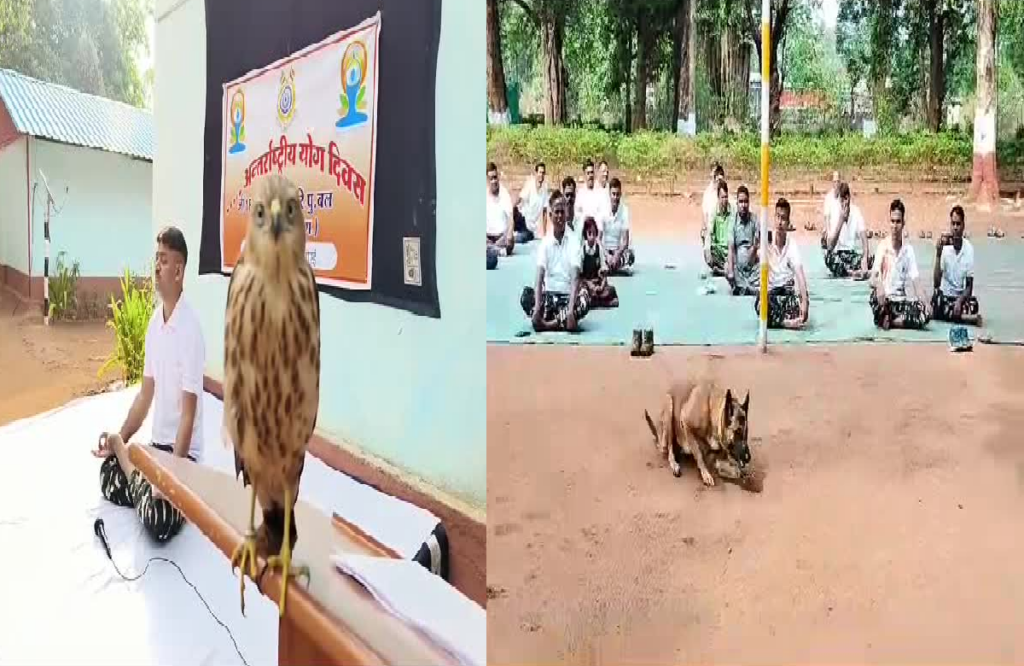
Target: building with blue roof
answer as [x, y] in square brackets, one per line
[96, 157]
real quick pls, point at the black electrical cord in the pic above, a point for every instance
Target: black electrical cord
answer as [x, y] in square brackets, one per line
[98, 528]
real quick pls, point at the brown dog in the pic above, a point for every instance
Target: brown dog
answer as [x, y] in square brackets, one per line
[700, 418]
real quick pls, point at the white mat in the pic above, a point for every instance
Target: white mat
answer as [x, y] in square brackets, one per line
[63, 602]
[421, 599]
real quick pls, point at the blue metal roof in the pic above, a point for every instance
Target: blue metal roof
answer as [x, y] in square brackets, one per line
[55, 112]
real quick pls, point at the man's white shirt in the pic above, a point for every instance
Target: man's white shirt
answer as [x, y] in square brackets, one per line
[897, 269]
[560, 261]
[783, 264]
[848, 235]
[615, 226]
[534, 202]
[956, 268]
[592, 203]
[499, 211]
[175, 359]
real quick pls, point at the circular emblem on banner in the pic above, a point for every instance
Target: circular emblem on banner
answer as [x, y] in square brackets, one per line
[286, 99]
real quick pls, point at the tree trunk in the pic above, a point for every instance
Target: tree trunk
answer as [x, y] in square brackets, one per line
[645, 37]
[777, 28]
[552, 38]
[984, 188]
[883, 41]
[497, 98]
[936, 68]
[687, 69]
[678, 42]
[735, 67]
[627, 94]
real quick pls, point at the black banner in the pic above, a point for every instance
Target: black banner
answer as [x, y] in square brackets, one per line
[244, 35]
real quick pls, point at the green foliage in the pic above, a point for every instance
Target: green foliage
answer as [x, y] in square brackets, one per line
[63, 289]
[129, 320]
[648, 155]
[89, 45]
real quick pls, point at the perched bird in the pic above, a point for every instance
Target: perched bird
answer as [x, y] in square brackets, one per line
[272, 373]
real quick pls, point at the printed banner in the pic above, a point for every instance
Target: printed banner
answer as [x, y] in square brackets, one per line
[311, 117]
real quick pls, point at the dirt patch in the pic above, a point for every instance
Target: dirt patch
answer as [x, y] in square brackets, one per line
[45, 367]
[679, 216]
[887, 531]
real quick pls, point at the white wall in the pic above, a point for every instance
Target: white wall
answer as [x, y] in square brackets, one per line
[409, 390]
[13, 206]
[105, 219]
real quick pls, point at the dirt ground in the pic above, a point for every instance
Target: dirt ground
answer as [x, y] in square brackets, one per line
[653, 216]
[888, 531]
[42, 367]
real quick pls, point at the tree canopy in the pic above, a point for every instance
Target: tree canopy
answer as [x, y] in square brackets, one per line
[89, 45]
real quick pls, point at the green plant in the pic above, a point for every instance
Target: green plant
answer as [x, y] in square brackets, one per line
[63, 289]
[129, 320]
[648, 155]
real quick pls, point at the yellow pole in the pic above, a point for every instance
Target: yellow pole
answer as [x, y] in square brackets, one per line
[766, 37]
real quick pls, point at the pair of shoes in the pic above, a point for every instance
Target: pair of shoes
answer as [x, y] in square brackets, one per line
[643, 342]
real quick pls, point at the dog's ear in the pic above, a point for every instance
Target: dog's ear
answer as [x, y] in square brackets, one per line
[727, 407]
[746, 403]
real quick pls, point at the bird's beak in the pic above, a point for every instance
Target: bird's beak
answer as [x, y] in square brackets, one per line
[275, 218]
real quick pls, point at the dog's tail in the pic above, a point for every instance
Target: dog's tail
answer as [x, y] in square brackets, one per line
[650, 424]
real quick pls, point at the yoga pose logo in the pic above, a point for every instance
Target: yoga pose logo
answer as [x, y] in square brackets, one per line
[286, 99]
[237, 138]
[353, 86]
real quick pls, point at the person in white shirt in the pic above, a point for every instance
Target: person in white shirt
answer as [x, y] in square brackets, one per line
[569, 194]
[500, 222]
[172, 382]
[603, 182]
[709, 204]
[829, 208]
[615, 232]
[846, 244]
[590, 201]
[896, 297]
[953, 299]
[531, 208]
[788, 300]
[557, 301]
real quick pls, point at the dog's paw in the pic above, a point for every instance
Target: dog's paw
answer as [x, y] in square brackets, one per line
[708, 479]
[677, 471]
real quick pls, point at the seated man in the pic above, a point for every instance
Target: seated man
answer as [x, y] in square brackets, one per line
[530, 211]
[591, 201]
[594, 269]
[846, 244]
[830, 208]
[557, 301]
[953, 299]
[619, 256]
[716, 237]
[788, 301]
[172, 377]
[896, 298]
[709, 203]
[500, 229]
[743, 264]
[569, 194]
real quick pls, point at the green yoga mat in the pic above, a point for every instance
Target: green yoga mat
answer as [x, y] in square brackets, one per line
[669, 301]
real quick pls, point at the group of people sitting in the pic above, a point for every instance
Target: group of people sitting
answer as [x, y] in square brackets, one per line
[584, 236]
[730, 236]
[584, 239]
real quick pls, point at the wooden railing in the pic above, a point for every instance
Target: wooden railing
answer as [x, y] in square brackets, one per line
[335, 620]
